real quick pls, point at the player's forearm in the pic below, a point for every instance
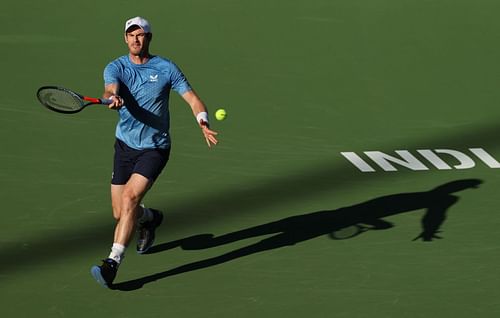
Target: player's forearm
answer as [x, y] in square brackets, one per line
[110, 90]
[197, 106]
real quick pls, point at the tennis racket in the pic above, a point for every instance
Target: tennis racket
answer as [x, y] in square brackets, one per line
[63, 100]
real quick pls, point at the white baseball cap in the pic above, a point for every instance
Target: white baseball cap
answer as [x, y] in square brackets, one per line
[140, 22]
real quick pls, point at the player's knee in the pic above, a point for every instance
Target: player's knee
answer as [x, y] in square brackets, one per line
[130, 197]
[116, 213]
[116, 207]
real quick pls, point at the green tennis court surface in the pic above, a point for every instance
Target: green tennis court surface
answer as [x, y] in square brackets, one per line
[302, 82]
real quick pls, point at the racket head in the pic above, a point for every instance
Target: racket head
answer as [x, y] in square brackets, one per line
[60, 99]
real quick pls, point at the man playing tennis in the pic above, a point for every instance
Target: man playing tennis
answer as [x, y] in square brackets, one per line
[139, 85]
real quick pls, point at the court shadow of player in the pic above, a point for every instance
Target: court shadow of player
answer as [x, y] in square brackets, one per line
[292, 230]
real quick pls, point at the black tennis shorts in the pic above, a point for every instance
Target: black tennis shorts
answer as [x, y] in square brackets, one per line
[148, 163]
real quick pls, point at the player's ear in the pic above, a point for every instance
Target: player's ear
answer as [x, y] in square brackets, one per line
[150, 36]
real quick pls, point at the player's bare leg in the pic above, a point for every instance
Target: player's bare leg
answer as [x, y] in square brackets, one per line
[126, 210]
[126, 201]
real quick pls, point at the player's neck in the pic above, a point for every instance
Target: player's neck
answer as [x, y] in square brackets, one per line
[142, 58]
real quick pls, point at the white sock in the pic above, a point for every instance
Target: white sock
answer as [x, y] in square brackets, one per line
[117, 252]
[147, 215]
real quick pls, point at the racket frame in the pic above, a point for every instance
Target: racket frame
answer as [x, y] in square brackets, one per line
[84, 100]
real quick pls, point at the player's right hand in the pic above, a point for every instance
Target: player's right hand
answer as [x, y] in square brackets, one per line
[117, 102]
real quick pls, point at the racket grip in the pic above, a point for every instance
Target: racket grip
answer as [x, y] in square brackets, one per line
[106, 101]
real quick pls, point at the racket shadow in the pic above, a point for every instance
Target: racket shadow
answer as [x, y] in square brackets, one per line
[292, 230]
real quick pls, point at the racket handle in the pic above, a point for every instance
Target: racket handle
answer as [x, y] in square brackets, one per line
[106, 101]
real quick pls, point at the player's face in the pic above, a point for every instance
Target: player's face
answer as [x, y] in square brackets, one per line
[137, 41]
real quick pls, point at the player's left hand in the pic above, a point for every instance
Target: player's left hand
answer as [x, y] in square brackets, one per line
[209, 135]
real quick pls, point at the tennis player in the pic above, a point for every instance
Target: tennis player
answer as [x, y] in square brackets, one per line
[139, 85]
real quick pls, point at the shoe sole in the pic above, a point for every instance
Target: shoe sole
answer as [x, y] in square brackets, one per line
[96, 273]
[153, 240]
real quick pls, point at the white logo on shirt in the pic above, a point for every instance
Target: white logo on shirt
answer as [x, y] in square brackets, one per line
[153, 78]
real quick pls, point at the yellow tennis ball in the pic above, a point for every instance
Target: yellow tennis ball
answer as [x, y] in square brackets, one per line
[220, 114]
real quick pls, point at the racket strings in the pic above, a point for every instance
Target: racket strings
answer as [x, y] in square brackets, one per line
[60, 99]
